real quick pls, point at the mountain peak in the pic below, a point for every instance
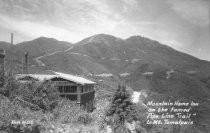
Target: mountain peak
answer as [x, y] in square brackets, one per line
[141, 39]
[102, 35]
[100, 38]
[42, 45]
[42, 38]
[135, 37]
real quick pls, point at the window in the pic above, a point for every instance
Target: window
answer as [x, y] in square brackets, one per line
[68, 89]
[82, 89]
[73, 89]
[60, 89]
[91, 88]
[65, 89]
[86, 89]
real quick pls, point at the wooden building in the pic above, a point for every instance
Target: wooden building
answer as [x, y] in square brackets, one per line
[72, 87]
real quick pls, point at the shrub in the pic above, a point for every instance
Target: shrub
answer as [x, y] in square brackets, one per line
[70, 112]
[13, 112]
[99, 114]
[85, 118]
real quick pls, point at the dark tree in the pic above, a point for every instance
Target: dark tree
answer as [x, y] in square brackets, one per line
[121, 109]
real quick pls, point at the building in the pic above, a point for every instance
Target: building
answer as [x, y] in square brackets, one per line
[72, 87]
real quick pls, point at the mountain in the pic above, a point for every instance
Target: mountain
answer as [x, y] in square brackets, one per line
[123, 56]
[139, 62]
[4, 45]
[10, 52]
[36, 48]
[42, 46]
[135, 60]
[132, 60]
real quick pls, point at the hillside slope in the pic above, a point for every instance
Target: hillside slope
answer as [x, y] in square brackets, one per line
[42, 46]
[132, 60]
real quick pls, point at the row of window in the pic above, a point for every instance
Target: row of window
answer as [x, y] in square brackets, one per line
[87, 88]
[67, 89]
[73, 89]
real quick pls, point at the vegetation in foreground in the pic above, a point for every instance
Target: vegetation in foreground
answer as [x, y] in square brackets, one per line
[39, 106]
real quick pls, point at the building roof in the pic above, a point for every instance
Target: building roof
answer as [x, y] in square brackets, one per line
[39, 77]
[69, 77]
[73, 78]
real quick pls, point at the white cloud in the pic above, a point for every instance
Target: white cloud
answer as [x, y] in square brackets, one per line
[33, 29]
[176, 23]
[195, 11]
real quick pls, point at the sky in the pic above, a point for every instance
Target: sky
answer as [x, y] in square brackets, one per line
[181, 24]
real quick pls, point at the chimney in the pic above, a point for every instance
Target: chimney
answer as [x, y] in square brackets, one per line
[25, 64]
[2, 55]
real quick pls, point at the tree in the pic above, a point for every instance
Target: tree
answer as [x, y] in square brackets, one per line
[121, 109]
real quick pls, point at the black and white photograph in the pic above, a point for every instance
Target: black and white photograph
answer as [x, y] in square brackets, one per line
[104, 66]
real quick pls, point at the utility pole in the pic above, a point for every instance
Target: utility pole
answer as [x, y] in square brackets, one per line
[2, 58]
[25, 64]
[11, 40]
[11, 65]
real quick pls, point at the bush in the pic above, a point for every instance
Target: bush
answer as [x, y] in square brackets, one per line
[99, 114]
[69, 112]
[54, 112]
[11, 112]
[85, 118]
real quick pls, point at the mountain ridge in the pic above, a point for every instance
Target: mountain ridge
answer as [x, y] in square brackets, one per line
[104, 54]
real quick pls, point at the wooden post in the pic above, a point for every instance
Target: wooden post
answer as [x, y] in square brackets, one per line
[79, 94]
[25, 65]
